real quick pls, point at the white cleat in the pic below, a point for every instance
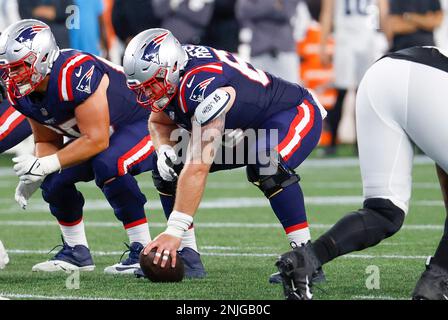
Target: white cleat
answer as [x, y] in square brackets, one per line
[57, 266]
[131, 264]
[120, 268]
[4, 259]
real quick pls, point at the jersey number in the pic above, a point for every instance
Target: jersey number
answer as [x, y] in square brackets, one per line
[243, 67]
[356, 7]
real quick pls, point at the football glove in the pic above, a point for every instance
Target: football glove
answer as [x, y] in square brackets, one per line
[31, 169]
[166, 156]
[24, 192]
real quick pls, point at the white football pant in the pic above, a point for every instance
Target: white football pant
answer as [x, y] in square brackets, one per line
[400, 103]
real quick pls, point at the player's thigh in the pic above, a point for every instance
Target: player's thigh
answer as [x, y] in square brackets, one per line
[385, 151]
[130, 151]
[427, 123]
[293, 134]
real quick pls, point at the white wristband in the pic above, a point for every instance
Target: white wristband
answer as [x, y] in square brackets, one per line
[50, 164]
[178, 223]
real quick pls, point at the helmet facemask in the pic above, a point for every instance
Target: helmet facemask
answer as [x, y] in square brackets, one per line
[157, 92]
[21, 77]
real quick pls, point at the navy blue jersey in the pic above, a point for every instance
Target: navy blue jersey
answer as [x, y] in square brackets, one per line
[259, 95]
[75, 76]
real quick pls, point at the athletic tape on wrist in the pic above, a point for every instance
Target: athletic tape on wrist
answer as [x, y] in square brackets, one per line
[178, 223]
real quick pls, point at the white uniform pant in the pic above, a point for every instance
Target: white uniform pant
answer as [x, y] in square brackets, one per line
[400, 103]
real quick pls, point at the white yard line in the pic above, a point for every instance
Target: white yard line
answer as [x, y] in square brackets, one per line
[8, 206]
[42, 297]
[235, 254]
[205, 225]
[373, 297]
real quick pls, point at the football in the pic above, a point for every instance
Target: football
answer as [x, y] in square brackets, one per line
[155, 273]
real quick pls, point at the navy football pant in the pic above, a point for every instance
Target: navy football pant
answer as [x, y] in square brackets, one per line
[298, 133]
[14, 127]
[130, 153]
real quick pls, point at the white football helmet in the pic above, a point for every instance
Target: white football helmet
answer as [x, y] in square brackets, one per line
[152, 62]
[28, 50]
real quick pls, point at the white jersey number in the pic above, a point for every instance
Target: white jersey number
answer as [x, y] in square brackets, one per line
[356, 7]
[243, 67]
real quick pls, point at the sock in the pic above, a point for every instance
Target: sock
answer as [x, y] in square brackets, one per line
[189, 240]
[301, 235]
[289, 207]
[74, 233]
[139, 233]
[167, 204]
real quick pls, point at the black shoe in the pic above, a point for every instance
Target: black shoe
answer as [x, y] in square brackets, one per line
[433, 284]
[318, 277]
[297, 269]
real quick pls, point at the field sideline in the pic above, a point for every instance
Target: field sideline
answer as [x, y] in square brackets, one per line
[238, 235]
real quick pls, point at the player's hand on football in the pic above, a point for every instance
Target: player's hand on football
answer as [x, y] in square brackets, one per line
[166, 156]
[167, 245]
[24, 192]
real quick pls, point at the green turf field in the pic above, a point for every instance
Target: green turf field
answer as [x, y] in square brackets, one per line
[239, 237]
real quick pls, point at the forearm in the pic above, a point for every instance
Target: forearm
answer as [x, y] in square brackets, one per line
[161, 134]
[81, 150]
[190, 188]
[428, 21]
[44, 149]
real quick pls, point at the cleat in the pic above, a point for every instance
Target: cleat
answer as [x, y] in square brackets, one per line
[318, 277]
[194, 269]
[433, 284]
[131, 264]
[68, 259]
[297, 269]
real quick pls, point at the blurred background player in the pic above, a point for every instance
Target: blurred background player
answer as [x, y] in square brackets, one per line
[354, 30]
[52, 12]
[187, 19]
[91, 34]
[401, 102]
[272, 45]
[76, 95]
[412, 22]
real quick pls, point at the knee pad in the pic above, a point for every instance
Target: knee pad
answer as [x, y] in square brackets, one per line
[271, 185]
[391, 215]
[167, 188]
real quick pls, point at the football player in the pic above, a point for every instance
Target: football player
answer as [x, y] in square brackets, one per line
[401, 101]
[72, 94]
[354, 50]
[209, 92]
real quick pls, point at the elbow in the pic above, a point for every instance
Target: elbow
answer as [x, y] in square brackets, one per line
[98, 145]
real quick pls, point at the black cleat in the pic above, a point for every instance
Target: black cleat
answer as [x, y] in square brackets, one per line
[297, 269]
[433, 284]
[318, 277]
